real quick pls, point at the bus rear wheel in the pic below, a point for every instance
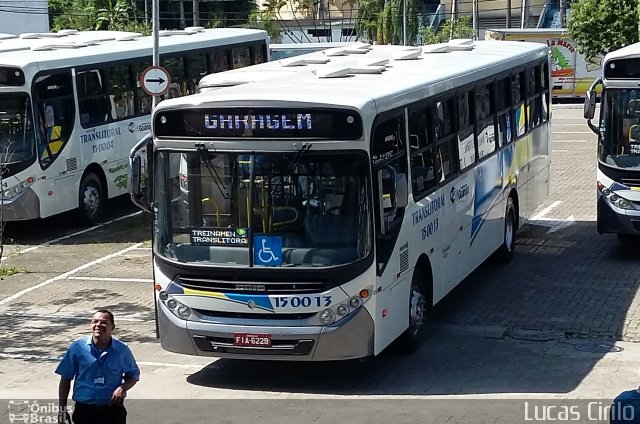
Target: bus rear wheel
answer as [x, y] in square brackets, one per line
[419, 309]
[505, 252]
[91, 199]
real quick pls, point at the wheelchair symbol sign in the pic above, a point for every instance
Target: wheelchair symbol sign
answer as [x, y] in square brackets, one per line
[267, 251]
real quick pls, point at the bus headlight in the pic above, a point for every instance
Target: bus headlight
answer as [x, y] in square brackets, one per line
[327, 317]
[163, 295]
[342, 310]
[172, 303]
[184, 311]
[623, 203]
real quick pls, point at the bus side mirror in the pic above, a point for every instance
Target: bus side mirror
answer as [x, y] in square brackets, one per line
[590, 104]
[139, 172]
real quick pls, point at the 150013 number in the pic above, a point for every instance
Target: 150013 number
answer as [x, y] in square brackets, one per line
[429, 229]
[302, 301]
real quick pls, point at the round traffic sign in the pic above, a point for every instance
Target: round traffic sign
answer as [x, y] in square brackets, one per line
[155, 80]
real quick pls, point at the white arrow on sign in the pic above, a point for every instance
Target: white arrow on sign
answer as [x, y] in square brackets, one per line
[155, 80]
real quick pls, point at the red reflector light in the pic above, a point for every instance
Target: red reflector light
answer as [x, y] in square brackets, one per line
[157, 287]
[364, 293]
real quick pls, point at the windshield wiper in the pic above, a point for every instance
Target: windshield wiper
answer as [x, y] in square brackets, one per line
[204, 158]
[298, 156]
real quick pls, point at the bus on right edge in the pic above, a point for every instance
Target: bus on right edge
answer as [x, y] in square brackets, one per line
[618, 142]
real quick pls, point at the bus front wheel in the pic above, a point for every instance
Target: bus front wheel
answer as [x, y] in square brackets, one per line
[505, 253]
[92, 199]
[419, 307]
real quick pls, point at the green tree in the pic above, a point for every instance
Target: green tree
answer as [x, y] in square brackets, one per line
[265, 20]
[380, 21]
[448, 30]
[600, 26]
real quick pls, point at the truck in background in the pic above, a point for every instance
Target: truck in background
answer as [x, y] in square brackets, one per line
[571, 74]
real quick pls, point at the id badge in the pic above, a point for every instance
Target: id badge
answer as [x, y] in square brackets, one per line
[99, 381]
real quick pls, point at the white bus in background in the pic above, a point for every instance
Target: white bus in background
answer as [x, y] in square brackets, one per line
[333, 200]
[285, 50]
[571, 73]
[72, 107]
[618, 173]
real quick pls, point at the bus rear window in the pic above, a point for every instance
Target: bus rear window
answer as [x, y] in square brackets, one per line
[11, 77]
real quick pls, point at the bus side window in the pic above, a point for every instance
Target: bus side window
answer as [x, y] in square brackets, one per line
[196, 69]
[503, 109]
[423, 169]
[93, 100]
[241, 57]
[177, 71]
[143, 100]
[534, 99]
[544, 84]
[219, 60]
[518, 97]
[466, 139]
[121, 92]
[259, 53]
[446, 139]
[485, 110]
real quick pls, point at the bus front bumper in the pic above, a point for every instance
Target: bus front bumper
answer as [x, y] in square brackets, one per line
[23, 207]
[349, 338]
[614, 220]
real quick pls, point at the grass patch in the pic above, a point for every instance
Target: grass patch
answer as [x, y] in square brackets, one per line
[9, 271]
[146, 243]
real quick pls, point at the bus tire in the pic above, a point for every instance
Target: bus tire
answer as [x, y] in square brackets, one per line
[419, 309]
[506, 251]
[91, 199]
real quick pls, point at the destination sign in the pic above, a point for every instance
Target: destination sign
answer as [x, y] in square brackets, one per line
[259, 123]
[622, 69]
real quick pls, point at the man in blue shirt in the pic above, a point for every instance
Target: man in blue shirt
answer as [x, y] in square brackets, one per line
[626, 408]
[103, 368]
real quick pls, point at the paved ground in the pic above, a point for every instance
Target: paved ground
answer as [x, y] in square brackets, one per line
[559, 322]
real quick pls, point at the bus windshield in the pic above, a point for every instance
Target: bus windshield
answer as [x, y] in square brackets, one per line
[620, 135]
[17, 141]
[301, 209]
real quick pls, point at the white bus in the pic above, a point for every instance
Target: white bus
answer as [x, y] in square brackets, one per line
[286, 50]
[324, 204]
[72, 107]
[618, 174]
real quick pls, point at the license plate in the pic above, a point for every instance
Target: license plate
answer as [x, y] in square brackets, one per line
[250, 339]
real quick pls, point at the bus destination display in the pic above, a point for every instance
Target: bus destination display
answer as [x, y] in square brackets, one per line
[260, 123]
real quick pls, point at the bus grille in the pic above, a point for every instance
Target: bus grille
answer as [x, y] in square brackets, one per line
[253, 316]
[253, 287]
[630, 182]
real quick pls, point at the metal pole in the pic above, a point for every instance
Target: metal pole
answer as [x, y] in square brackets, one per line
[196, 13]
[404, 22]
[508, 14]
[563, 8]
[156, 44]
[474, 12]
[523, 15]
